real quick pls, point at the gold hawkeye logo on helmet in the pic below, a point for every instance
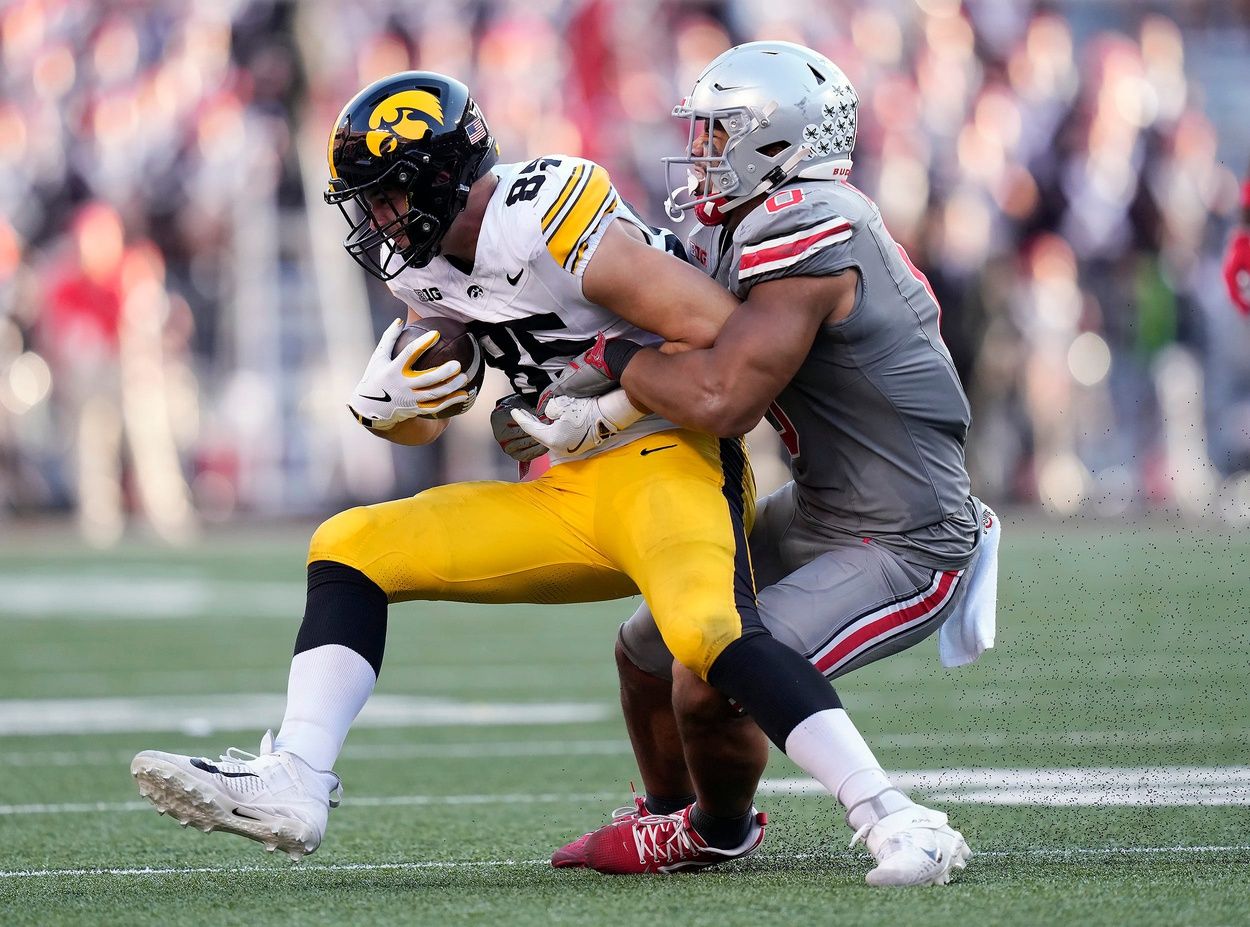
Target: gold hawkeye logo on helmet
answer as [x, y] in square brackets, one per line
[402, 115]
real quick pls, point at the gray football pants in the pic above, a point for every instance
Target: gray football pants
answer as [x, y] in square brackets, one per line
[841, 602]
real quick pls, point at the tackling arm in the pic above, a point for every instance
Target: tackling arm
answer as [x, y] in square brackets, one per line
[726, 388]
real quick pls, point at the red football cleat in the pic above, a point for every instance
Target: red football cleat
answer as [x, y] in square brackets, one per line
[573, 855]
[660, 843]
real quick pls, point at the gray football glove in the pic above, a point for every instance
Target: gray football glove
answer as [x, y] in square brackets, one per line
[593, 372]
[511, 438]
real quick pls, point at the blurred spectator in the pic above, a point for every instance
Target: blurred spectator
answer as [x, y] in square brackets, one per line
[79, 332]
[102, 330]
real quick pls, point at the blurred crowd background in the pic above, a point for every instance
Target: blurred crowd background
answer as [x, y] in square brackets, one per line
[179, 326]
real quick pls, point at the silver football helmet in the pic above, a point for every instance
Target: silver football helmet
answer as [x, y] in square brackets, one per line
[788, 112]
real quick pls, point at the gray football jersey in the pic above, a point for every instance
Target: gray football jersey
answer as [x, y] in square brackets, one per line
[875, 419]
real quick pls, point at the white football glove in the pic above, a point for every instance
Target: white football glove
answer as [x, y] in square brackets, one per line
[393, 390]
[575, 425]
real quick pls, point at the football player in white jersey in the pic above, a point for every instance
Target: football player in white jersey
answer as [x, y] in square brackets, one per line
[876, 542]
[533, 257]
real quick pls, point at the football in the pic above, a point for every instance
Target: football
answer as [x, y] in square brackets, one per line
[455, 343]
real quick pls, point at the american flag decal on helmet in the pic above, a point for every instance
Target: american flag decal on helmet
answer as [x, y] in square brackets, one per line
[476, 129]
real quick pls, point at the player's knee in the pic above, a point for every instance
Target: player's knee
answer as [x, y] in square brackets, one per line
[697, 703]
[625, 664]
[696, 643]
[694, 618]
[688, 649]
[338, 539]
[636, 675]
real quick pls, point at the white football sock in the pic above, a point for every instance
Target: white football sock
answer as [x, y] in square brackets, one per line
[829, 748]
[327, 688]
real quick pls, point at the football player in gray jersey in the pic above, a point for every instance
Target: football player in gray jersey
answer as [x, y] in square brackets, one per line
[876, 541]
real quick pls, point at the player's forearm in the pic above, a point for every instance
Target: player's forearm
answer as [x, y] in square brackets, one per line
[695, 390]
[726, 389]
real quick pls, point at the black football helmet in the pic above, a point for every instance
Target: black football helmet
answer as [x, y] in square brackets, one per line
[403, 154]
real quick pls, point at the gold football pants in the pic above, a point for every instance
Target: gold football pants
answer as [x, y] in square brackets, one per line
[666, 515]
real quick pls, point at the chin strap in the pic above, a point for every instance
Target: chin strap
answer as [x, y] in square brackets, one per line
[773, 179]
[776, 177]
[715, 211]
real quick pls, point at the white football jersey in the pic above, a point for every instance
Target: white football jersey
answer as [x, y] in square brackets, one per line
[523, 298]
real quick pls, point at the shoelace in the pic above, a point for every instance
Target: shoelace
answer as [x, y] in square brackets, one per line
[861, 835]
[239, 755]
[637, 809]
[648, 832]
[898, 841]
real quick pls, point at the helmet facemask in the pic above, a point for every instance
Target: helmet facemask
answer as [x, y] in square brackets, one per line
[710, 177]
[389, 230]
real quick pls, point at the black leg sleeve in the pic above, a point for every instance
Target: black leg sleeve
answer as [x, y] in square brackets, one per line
[344, 607]
[775, 685]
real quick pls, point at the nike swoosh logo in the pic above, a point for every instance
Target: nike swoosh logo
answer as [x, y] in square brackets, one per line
[512, 279]
[651, 450]
[385, 397]
[210, 768]
[935, 855]
[572, 448]
[247, 817]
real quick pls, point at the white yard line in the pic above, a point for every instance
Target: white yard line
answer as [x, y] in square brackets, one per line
[540, 748]
[367, 752]
[1064, 787]
[278, 870]
[145, 597]
[1173, 737]
[200, 714]
[376, 801]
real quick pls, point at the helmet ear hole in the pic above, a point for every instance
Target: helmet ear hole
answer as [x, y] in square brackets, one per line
[773, 149]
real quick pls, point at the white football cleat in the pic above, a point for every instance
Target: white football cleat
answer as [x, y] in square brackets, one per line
[914, 846]
[275, 798]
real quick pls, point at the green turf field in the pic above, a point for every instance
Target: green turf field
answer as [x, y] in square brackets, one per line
[1096, 760]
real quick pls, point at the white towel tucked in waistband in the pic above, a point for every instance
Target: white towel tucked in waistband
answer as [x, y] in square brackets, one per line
[969, 632]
